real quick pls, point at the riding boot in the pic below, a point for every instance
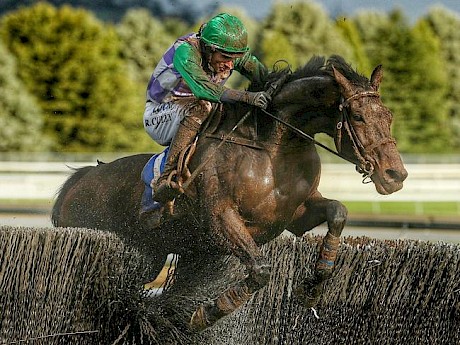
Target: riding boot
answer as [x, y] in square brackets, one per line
[165, 189]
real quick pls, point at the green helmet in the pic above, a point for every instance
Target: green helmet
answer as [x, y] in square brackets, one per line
[226, 33]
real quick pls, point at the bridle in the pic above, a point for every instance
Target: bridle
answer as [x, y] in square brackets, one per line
[362, 153]
[363, 165]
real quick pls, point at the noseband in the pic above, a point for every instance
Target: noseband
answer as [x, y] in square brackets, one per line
[362, 153]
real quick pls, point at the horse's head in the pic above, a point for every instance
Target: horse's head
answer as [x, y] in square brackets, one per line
[333, 98]
[363, 132]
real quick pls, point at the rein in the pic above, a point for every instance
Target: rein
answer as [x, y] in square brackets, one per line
[364, 166]
[304, 135]
[272, 89]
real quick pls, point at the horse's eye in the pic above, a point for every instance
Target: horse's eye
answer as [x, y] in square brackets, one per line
[358, 117]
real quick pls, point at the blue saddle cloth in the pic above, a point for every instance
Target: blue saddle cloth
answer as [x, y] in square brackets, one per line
[151, 172]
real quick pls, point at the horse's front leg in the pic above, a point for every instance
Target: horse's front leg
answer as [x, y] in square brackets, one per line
[312, 213]
[230, 231]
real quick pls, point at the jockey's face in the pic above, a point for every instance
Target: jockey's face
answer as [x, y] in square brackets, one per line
[221, 63]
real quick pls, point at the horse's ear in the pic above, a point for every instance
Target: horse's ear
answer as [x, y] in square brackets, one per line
[376, 77]
[347, 87]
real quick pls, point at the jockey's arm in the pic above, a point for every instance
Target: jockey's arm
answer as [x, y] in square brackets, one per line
[250, 67]
[187, 61]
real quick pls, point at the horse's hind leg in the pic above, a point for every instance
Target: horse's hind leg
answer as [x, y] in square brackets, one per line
[314, 212]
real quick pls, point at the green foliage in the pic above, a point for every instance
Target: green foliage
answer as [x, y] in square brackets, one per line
[446, 26]
[71, 62]
[414, 80]
[306, 28]
[351, 36]
[277, 47]
[175, 27]
[79, 84]
[430, 91]
[144, 40]
[21, 120]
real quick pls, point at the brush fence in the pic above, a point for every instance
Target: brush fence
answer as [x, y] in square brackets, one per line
[80, 286]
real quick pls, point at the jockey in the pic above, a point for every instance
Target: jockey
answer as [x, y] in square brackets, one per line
[189, 78]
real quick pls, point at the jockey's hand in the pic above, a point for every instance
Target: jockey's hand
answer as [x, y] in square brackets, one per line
[258, 99]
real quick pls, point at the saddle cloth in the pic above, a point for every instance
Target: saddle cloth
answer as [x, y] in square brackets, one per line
[150, 174]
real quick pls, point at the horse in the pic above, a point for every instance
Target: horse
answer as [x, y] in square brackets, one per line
[261, 178]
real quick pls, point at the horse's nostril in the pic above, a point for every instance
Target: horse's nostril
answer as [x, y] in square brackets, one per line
[396, 175]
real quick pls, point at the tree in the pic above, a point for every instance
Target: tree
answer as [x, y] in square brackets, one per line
[276, 47]
[144, 41]
[114, 10]
[446, 26]
[351, 36]
[72, 63]
[430, 91]
[175, 27]
[414, 80]
[21, 120]
[306, 28]
[107, 10]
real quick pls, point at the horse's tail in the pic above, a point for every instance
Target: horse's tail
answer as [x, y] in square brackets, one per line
[65, 188]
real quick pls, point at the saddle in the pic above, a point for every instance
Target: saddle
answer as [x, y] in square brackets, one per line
[182, 174]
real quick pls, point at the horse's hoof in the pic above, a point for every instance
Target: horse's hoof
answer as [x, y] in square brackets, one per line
[260, 273]
[308, 293]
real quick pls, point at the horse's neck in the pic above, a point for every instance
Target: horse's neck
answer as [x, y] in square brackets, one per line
[308, 123]
[262, 128]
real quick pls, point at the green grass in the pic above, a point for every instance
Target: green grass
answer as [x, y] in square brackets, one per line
[418, 208]
[26, 203]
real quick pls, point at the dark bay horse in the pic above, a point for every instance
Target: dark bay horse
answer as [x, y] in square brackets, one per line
[261, 181]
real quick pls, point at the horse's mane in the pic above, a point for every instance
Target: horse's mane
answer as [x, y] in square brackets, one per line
[315, 67]
[345, 68]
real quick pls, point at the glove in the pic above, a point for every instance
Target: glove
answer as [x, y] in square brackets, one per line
[258, 99]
